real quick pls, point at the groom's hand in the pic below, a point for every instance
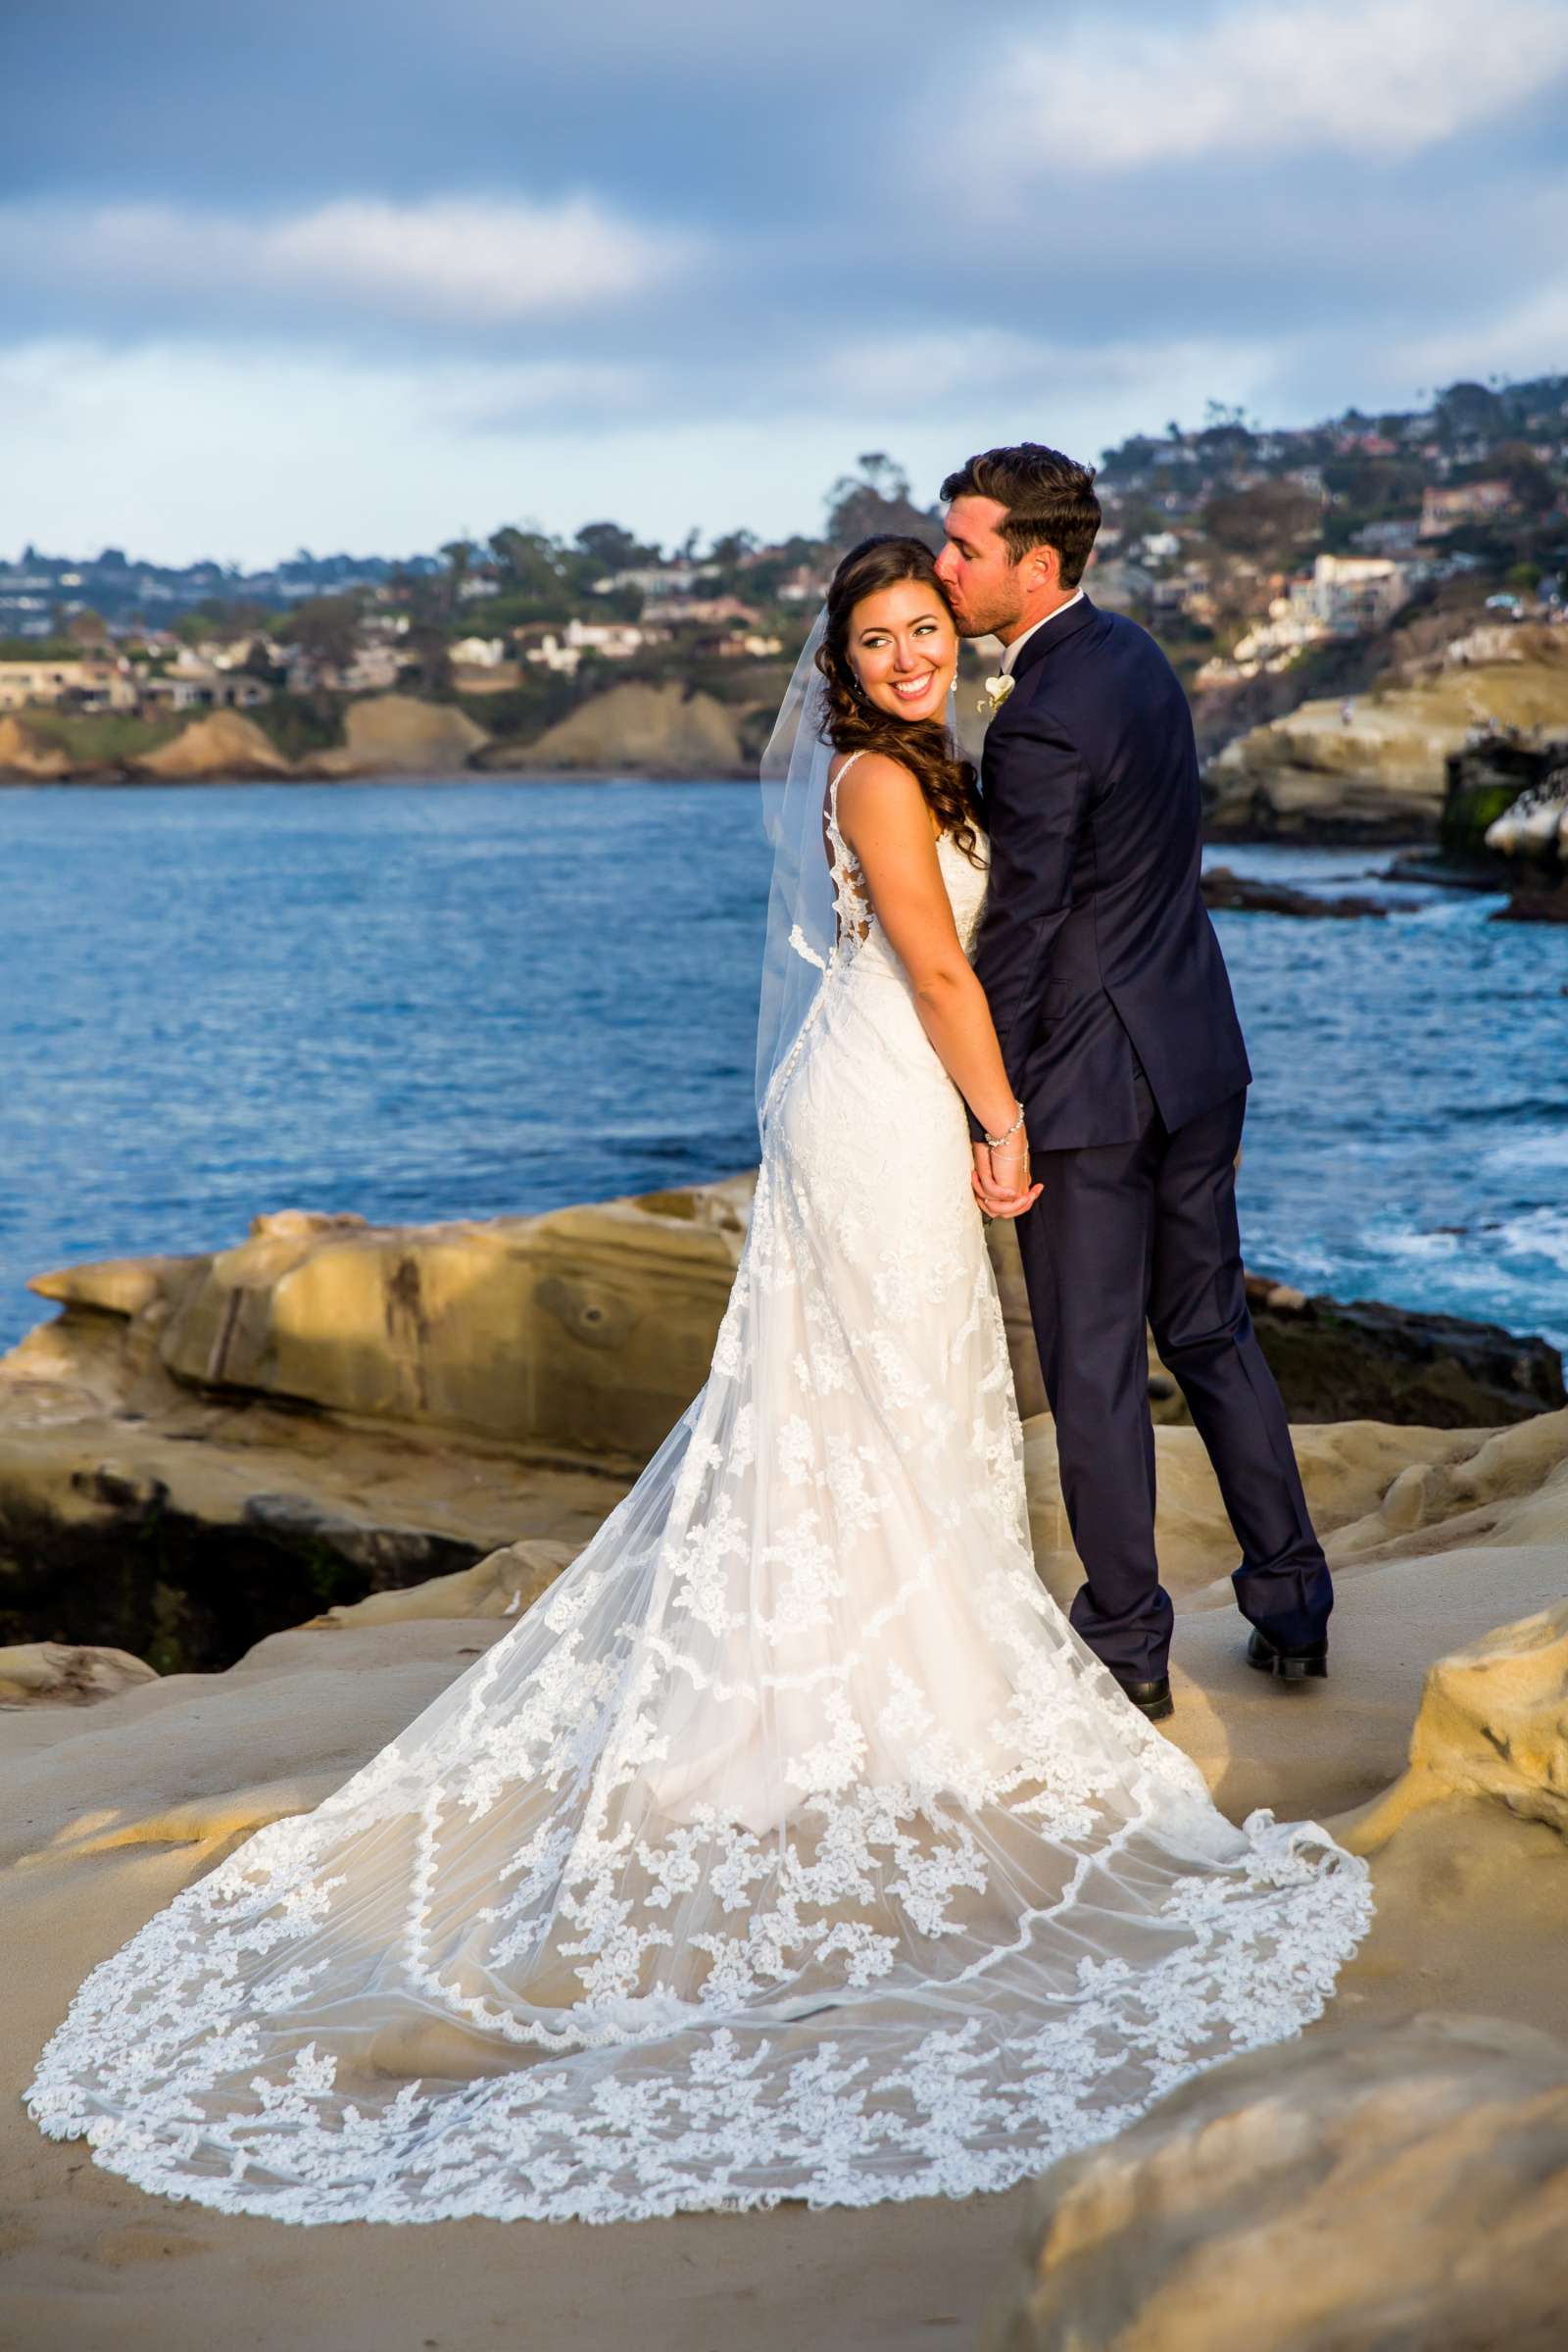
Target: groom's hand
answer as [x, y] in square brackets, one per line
[1001, 1179]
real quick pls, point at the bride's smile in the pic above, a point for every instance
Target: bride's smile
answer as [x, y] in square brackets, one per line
[904, 650]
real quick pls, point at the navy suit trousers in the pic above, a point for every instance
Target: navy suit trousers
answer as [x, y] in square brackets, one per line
[1148, 1229]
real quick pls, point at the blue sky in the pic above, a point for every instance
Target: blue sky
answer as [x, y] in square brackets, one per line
[364, 276]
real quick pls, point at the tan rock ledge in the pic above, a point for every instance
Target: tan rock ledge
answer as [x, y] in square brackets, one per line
[1352, 2192]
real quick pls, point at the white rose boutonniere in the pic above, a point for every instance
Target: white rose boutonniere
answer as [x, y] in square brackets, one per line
[997, 690]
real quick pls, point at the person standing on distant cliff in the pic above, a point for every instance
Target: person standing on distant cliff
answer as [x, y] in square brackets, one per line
[1119, 1034]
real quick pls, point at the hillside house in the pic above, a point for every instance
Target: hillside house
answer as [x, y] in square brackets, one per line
[1350, 596]
[194, 682]
[704, 611]
[1445, 510]
[1398, 536]
[89, 682]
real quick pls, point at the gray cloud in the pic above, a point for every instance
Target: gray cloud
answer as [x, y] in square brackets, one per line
[881, 222]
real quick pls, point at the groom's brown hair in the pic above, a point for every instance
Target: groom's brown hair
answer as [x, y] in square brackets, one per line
[1050, 500]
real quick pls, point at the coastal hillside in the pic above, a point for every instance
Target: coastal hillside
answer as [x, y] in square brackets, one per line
[649, 730]
[1371, 766]
[1282, 569]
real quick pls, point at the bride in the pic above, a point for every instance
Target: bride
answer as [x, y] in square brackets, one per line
[792, 1844]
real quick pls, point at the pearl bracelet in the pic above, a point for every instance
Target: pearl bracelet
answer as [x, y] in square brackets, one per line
[995, 1142]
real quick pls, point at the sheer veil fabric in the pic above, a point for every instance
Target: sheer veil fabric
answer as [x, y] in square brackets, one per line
[792, 1846]
[800, 899]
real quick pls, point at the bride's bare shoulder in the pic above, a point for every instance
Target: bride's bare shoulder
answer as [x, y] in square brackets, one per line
[879, 791]
[873, 774]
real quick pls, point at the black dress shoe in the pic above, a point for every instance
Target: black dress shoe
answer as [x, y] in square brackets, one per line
[1153, 1699]
[1288, 1665]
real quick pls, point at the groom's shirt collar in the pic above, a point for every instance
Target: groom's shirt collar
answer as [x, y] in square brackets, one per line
[1011, 651]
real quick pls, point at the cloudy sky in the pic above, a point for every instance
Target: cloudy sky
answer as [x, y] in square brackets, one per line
[351, 276]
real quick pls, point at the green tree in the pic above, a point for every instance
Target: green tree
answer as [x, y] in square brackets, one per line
[530, 564]
[426, 648]
[1531, 482]
[1270, 522]
[259, 664]
[609, 547]
[1467, 412]
[460, 554]
[326, 627]
[878, 499]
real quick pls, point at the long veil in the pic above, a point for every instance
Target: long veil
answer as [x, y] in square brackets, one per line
[800, 900]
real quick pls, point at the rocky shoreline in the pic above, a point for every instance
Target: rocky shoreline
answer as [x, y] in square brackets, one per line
[200, 1451]
[260, 1507]
[416, 1428]
[1505, 814]
[655, 731]
[1228, 893]
[1370, 768]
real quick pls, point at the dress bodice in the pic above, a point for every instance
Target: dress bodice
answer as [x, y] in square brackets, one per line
[858, 926]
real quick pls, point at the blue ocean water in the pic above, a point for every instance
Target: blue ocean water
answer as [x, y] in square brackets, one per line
[464, 997]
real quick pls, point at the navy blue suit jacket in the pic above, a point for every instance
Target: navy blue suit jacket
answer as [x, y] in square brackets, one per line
[1095, 945]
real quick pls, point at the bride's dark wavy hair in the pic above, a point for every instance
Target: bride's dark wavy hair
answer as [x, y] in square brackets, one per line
[855, 723]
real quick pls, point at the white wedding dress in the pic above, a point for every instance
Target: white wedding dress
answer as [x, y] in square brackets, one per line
[791, 1845]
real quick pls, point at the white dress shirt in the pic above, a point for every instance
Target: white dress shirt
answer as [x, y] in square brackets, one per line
[1011, 651]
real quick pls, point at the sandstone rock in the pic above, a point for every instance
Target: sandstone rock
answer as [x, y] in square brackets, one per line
[1493, 1723]
[116, 1286]
[636, 729]
[331, 1410]
[224, 744]
[190, 1759]
[112, 1809]
[503, 1585]
[1377, 1493]
[469, 1388]
[1356, 2191]
[397, 734]
[186, 1536]
[1479, 1487]
[583, 1332]
[1380, 777]
[67, 1673]
[27, 756]
[1347, 1469]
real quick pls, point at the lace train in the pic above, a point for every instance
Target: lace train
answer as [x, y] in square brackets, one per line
[792, 1846]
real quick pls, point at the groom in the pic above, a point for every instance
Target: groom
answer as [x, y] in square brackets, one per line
[1118, 1027]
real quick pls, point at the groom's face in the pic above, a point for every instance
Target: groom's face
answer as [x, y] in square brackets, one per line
[987, 590]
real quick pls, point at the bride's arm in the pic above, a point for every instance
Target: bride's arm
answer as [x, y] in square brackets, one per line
[884, 818]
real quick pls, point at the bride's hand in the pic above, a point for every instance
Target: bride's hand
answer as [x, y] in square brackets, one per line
[1002, 1178]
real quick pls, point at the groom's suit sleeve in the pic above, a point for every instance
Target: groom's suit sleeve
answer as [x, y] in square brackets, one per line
[1036, 799]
